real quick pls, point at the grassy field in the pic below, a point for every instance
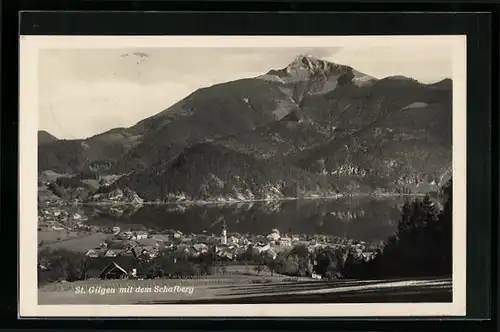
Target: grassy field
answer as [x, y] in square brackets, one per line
[238, 286]
[49, 236]
[80, 242]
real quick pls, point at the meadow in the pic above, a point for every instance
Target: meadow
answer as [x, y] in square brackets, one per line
[74, 241]
[242, 289]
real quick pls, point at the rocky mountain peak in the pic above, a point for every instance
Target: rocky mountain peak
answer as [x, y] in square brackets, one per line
[311, 64]
[306, 66]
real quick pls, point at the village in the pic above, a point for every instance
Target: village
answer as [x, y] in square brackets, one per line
[71, 231]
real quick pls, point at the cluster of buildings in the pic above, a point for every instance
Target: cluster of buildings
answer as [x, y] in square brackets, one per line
[147, 245]
[58, 217]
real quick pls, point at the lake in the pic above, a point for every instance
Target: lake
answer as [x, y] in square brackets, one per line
[364, 218]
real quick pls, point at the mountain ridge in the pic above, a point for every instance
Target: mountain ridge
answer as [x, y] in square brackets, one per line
[327, 126]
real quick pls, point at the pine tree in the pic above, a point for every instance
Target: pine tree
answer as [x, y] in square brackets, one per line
[406, 214]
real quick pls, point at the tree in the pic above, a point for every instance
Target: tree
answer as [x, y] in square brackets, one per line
[82, 268]
[300, 257]
[258, 268]
[272, 264]
[324, 261]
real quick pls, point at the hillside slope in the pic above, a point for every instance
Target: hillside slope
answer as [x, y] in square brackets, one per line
[44, 137]
[210, 172]
[400, 130]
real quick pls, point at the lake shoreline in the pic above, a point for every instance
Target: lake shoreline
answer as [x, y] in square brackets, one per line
[248, 201]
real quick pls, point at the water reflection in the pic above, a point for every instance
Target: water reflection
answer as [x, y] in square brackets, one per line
[367, 218]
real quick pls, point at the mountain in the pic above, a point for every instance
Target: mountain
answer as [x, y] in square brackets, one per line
[44, 137]
[205, 115]
[312, 127]
[396, 129]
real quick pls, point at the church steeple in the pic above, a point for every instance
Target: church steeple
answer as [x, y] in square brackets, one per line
[223, 239]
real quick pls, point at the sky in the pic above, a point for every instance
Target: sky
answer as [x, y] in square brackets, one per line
[83, 92]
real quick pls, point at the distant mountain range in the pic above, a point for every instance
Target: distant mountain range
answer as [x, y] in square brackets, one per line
[310, 128]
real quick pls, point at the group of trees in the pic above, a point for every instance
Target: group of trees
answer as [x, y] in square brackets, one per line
[422, 245]
[69, 188]
[61, 264]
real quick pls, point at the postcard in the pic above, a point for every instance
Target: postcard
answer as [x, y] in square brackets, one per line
[183, 176]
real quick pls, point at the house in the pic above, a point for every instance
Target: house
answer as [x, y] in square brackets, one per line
[200, 248]
[273, 236]
[233, 239]
[113, 271]
[92, 253]
[225, 252]
[141, 235]
[368, 255]
[110, 253]
[245, 241]
[285, 242]
[149, 251]
[262, 247]
[127, 252]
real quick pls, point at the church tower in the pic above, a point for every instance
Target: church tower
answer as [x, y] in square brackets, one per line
[223, 238]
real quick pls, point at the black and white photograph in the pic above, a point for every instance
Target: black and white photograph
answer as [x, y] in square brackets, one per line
[203, 175]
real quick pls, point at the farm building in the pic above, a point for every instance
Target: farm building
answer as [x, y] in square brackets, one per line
[285, 242]
[92, 253]
[141, 235]
[110, 253]
[113, 271]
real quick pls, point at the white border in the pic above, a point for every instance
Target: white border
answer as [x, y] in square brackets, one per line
[29, 46]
